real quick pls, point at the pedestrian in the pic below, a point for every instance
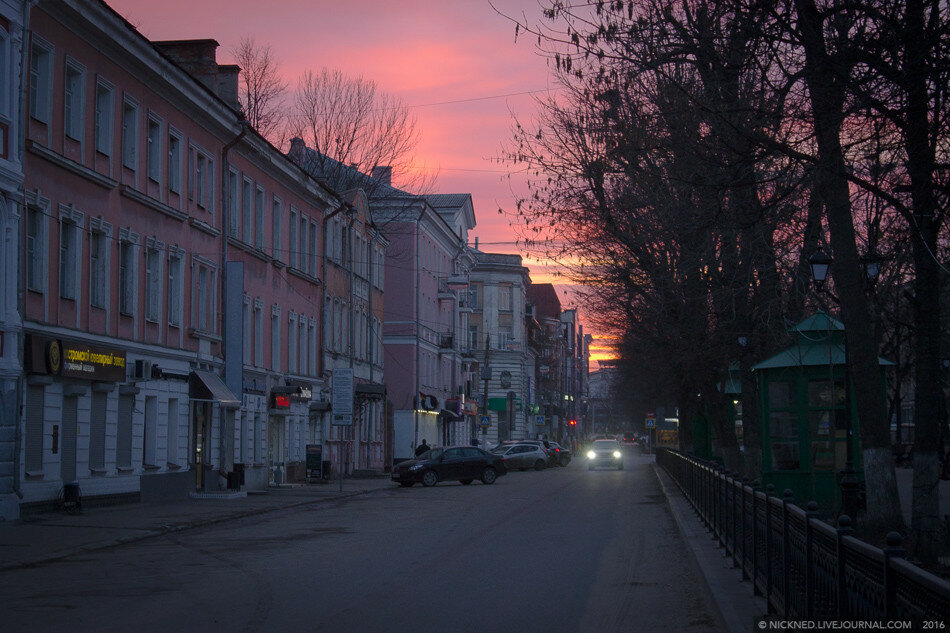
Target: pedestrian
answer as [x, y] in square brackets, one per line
[422, 448]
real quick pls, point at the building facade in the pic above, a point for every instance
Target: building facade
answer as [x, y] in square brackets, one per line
[497, 334]
[171, 272]
[12, 19]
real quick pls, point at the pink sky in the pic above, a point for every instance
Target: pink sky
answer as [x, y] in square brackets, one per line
[422, 51]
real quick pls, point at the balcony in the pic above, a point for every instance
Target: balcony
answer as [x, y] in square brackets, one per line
[446, 341]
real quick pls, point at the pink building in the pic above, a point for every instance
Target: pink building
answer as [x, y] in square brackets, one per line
[172, 269]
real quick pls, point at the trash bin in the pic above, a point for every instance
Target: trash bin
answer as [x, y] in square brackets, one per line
[72, 497]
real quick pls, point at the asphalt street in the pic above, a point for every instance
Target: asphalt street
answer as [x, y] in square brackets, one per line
[563, 549]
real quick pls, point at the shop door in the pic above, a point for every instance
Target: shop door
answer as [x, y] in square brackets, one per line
[275, 450]
[68, 460]
[200, 441]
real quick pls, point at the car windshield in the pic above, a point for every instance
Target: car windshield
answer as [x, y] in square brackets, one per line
[606, 444]
[500, 450]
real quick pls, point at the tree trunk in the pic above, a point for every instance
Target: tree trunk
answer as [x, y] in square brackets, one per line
[824, 76]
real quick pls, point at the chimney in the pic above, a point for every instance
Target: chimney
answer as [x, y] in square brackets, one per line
[298, 151]
[384, 175]
[198, 59]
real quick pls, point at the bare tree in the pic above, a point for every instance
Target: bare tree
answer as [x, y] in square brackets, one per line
[261, 89]
[354, 130]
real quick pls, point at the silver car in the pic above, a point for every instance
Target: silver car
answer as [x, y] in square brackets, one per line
[522, 456]
[605, 453]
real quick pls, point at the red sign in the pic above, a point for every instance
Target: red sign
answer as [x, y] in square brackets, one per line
[281, 401]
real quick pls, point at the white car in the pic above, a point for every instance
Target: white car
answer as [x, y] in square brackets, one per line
[605, 453]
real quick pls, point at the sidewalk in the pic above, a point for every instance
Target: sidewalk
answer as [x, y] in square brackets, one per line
[48, 537]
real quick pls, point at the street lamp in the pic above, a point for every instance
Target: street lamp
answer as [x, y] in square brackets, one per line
[820, 263]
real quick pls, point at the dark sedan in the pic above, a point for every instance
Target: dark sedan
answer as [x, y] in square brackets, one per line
[457, 463]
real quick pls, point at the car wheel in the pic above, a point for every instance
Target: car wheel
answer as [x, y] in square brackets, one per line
[489, 475]
[539, 465]
[430, 478]
[406, 484]
[465, 482]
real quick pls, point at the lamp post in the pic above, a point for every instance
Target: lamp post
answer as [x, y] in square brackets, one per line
[820, 264]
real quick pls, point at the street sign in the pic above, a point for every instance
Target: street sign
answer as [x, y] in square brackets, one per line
[484, 421]
[539, 420]
[342, 388]
[651, 421]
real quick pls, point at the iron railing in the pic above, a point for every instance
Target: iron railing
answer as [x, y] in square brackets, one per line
[802, 566]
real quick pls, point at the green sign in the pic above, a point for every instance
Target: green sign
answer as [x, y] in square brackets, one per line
[501, 404]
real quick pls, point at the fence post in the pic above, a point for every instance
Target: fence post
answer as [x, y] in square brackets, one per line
[844, 529]
[755, 537]
[893, 549]
[742, 522]
[787, 500]
[811, 514]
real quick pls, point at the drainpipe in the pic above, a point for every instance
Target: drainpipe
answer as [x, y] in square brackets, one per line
[226, 226]
[21, 151]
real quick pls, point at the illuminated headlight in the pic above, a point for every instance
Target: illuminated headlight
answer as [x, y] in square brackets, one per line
[417, 466]
[617, 455]
[591, 455]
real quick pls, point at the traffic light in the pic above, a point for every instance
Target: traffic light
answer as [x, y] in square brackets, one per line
[573, 422]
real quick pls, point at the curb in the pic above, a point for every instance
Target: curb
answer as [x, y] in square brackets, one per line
[174, 529]
[735, 603]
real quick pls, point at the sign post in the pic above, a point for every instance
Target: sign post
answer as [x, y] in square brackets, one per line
[651, 425]
[342, 390]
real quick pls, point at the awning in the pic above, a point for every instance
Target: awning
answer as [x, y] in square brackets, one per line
[204, 385]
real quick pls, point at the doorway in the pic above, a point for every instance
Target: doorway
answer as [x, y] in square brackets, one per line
[201, 441]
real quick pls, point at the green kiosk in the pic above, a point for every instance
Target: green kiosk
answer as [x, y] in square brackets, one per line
[804, 414]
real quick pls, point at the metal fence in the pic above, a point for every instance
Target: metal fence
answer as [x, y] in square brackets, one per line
[804, 567]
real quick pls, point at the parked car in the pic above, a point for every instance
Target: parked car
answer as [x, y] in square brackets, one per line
[605, 453]
[562, 453]
[522, 455]
[456, 463]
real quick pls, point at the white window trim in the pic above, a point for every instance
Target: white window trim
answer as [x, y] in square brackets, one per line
[153, 155]
[277, 217]
[127, 236]
[175, 184]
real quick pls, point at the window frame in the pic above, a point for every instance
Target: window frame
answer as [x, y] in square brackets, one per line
[74, 100]
[153, 150]
[41, 79]
[130, 138]
[154, 255]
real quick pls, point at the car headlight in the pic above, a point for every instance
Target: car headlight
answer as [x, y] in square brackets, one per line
[591, 455]
[617, 455]
[417, 466]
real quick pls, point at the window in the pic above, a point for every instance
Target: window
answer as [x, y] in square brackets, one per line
[171, 451]
[275, 337]
[204, 181]
[70, 230]
[259, 218]
[176, 258]
[304, 261]
[41, 74]
[35, 249]
[246, 331]
[275, 230]
[130, 139]
[127, 285]
[302, 340]
[473, 297]
[174, 163]
[292, 251]
[154, 149]
[313, 249]
[105, 106]
[234, 216]
[153, 280]
[258, 333]
[204, 295]
[504, 298]
[73, 102]
[312, 343]
[504, 335]
[97, 431]
[99, 242]
[247, 211]
[292, 343]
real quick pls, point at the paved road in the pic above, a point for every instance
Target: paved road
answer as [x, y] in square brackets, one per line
[559, 550]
